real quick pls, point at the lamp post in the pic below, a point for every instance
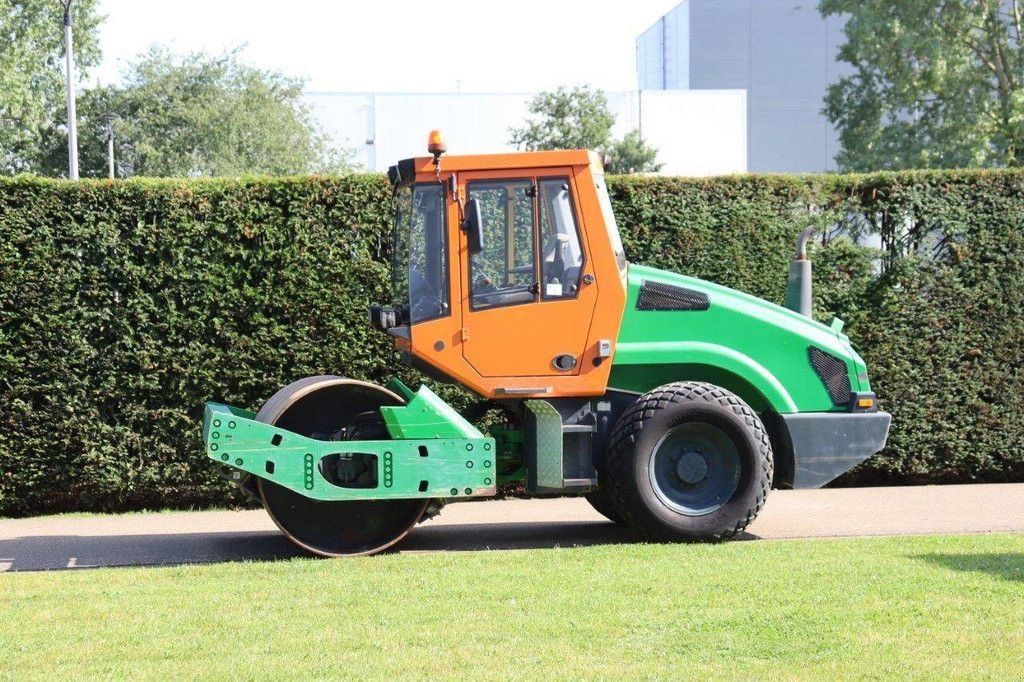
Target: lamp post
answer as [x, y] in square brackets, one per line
[109, 119]
[69, 56]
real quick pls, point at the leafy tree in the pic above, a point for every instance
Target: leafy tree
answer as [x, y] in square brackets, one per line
[938, 83]
[579, 118]
[203, 115]
[632, 155]
[576, 118]
[32, 88]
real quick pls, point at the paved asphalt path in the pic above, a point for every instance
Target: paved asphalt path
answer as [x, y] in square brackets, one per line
[71, 542]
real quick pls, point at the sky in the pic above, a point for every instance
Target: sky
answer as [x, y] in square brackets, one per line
[396, 45]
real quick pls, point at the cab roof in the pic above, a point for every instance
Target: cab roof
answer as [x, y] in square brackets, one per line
[406, 169]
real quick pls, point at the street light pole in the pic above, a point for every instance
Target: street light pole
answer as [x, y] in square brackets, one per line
[110, 151]
[110, 117]
[69, 54]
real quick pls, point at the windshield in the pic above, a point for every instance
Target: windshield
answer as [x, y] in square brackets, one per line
[419, 267]
[610, 224]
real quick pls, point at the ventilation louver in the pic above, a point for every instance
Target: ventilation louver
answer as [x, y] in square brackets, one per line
[658, 296]
[832, 372]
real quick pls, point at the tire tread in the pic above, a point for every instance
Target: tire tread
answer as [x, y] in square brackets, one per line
[620, 453]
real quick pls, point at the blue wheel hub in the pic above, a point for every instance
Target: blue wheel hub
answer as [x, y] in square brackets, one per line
[694, 469]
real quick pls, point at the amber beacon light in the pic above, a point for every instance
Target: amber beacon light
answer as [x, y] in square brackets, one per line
[436, 144]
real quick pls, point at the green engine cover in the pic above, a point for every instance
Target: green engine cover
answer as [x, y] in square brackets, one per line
[687, 328]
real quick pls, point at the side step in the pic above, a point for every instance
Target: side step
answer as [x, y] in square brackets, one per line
[559, 457]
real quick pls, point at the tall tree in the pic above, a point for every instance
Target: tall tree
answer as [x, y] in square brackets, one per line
[938, 83]
[32, 97]
[632, 155]
[576, 118]
[579, 118]
[202, 115]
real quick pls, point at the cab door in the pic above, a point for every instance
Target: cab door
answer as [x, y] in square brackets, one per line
[528, 297]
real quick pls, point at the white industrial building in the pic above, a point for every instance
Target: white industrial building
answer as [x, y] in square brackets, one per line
[725, 86]
[696, 132]
[781, 52]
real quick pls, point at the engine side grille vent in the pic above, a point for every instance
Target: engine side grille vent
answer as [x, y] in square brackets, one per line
[657, 296]
[832, 372]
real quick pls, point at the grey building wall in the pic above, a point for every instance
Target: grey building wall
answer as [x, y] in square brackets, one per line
[662, 60]
[782, 52]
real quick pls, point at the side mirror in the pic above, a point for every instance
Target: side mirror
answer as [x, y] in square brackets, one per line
[473, 226]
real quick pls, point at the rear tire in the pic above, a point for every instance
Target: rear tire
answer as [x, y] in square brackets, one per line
[603, 505]
[689, 461]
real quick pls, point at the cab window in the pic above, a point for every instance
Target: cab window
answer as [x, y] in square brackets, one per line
[503, 273]
[609, 223]
[420, 264]
[561, 255]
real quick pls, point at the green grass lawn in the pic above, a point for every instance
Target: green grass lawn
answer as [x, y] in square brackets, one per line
[924, 606]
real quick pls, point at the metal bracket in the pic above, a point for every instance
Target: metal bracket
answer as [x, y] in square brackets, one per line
[409, 468]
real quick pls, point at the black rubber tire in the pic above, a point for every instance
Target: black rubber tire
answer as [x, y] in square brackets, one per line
[316, 407]
[602, 503]
[643, 425]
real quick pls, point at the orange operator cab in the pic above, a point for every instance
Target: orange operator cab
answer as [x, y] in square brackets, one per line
[512, 271]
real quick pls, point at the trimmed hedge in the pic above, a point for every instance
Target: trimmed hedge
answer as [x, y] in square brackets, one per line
[935, 309]
[125, 306]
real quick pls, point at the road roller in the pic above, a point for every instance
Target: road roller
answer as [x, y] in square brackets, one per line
[672, 404]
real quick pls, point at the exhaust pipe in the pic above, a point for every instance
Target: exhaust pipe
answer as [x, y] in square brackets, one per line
[799, 295]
